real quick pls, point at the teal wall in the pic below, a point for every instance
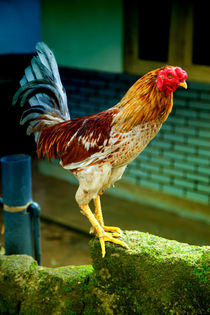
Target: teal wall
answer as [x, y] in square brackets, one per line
[177, 160]
[20, 26]
[85, 34]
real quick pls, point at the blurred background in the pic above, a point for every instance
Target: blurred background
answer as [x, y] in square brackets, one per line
[102, 48]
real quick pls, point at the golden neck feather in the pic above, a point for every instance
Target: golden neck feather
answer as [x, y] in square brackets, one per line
[143, 103]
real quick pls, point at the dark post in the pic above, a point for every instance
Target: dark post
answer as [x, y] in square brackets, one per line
[19, 223]
[34, 209]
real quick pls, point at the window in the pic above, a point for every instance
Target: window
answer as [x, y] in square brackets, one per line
[201, 48]
[152, 46]
[167, 32]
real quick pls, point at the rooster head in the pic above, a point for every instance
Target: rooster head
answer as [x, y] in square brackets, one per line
[170, 78]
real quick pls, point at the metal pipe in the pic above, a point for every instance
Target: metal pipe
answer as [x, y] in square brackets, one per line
[21, 215]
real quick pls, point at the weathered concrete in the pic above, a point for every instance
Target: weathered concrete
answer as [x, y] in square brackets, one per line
[154, 276]
[26, 288]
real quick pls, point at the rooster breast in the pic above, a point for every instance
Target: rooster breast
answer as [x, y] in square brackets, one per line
[130, 144]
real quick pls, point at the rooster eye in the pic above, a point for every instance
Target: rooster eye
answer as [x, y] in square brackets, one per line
[169, 75]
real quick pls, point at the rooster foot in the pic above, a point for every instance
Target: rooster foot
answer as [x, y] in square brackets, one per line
[101, 230]
[106, 237]
[115, 231]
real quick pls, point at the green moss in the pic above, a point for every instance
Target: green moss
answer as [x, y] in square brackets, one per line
[61, 289]
[29, 289]
[154, 276]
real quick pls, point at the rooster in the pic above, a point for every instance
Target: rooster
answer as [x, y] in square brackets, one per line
[95, 148]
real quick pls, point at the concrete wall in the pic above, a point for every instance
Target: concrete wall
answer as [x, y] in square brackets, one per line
[85, 34]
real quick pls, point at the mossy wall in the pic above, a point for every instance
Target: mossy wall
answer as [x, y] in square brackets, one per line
[154, 276]
[29, 289]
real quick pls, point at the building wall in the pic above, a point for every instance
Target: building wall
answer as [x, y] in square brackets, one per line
[177, 161]
[20, 26]
[88, 35]
[85, 34]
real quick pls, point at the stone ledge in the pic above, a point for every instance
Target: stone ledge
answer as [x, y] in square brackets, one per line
[154, 276]
[26, 288]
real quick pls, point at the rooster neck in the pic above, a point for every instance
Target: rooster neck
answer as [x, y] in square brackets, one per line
[143, 103]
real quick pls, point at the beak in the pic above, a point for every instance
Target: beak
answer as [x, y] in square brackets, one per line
[183, 84]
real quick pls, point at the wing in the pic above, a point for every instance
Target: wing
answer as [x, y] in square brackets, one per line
[78, 142]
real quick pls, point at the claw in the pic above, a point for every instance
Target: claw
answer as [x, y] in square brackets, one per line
[113, 229]
[92, 230]
[107, 238]
[103, 250]
[115, 234]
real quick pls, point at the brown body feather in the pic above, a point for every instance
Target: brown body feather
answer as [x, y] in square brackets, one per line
[78, 139]
[66, 140]
[143, 103]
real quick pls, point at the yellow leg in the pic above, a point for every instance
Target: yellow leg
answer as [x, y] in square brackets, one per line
[116, 232]
[103, 236]
[98, 211]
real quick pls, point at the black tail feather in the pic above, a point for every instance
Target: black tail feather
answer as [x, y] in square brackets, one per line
[41, 89]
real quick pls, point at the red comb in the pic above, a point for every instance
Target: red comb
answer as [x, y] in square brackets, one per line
[182, 75]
